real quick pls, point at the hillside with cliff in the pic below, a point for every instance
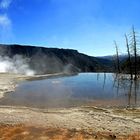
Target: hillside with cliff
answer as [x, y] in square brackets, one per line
[51, 60]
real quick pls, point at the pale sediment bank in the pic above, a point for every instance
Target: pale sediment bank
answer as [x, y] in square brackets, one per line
[8, 82]
[114, 121]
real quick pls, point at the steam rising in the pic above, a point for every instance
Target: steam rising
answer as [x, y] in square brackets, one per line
[18, 64]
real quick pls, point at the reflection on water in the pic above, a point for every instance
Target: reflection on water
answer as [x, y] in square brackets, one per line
[130, 89]
[101, 89]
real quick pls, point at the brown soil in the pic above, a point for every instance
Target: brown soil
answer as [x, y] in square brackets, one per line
[91, 120]
[21, 132]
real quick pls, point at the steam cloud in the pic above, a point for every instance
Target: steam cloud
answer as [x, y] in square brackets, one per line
[18, 64]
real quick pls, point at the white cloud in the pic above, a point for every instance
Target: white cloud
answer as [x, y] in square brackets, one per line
[4, 4]
[6, 32]
[5, 22]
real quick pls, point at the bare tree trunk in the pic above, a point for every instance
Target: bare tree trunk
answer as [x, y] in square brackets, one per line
[104, 80]
[117, 58]
[129, 57]
[130, 93]
[114, 62]
[135, 52]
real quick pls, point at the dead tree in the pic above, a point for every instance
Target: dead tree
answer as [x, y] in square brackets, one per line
[134, 48]
[129, 57]
[117, 58]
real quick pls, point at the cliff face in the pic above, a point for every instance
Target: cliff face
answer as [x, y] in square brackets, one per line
[51, 60]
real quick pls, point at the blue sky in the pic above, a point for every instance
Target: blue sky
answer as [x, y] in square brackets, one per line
[89, 26]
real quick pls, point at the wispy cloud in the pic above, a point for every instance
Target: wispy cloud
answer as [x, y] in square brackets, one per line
[4, 4]
[6, 32]
[5, 22]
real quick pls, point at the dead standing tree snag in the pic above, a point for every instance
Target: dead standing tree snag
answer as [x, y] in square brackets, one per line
[133, 43]
[117, 58]
[129, 57]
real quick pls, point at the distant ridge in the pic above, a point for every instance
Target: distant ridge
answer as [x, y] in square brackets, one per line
[111, 57]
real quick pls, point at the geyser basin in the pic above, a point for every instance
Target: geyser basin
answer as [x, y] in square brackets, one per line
[84, 89]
